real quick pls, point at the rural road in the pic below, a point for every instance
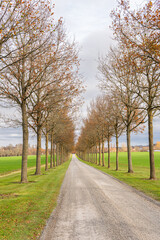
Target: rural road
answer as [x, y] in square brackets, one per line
[95, 206]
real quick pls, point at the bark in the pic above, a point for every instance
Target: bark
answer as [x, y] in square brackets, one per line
[62, 154]
[25, 143]
[130, 168]
[92, 154]
[117, 164]
[60, 151]
[57, 155]
[109, 152]
[38, 155]
[52, 156]
[46, 166]
[54, 162]
[151, 148]
[99, 153]
[103, 153]
[96, 154]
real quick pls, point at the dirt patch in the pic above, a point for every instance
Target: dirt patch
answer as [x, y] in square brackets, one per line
[8, 195]
[23, 183]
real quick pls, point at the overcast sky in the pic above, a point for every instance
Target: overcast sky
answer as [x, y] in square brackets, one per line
[88, 22]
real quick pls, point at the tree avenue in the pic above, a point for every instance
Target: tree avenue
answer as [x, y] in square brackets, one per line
[129, 78]
[39, 72]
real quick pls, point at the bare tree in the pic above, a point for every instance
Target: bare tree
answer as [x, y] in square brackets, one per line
[19, 76]
[116, 75]
[139, 32]
[117, 122]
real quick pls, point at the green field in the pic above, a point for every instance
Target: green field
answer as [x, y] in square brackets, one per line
[140, 178]
[10, 164]
[24, 208]
[139, 159]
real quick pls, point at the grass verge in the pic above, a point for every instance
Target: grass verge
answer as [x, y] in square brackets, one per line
[140, 178]
[24, 208]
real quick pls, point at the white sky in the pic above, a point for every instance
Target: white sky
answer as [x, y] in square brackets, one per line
[88, 22]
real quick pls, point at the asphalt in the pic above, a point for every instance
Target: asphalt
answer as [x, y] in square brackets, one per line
[95, 206]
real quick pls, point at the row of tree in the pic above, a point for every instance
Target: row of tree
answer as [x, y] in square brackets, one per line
[107, 118]
[130, 79]
[38, 75]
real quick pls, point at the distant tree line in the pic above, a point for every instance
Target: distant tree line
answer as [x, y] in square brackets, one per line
[11, 150]
[129, 77]
[39, 76]
[16, 150]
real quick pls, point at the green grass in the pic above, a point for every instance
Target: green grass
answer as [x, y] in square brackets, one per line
[10, 164]
[24, 208]
[140, 178]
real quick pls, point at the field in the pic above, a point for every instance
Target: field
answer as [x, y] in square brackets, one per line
[140, 178]
[10, 164]
[24, 208]
[139, 160]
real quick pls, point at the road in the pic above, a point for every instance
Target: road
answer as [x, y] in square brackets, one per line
[95, 206]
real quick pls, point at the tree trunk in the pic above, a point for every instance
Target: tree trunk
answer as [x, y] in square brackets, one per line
[92, 160]
[25, 143]
[151, 149]
[96, 154]
[109, 152]
[38, 155]
[46, 166]
[62, 155]
[102, 153]
[130, 168]
[117, 165]
[57, 155]
[99, 153]
[51, 161]
[54, 162]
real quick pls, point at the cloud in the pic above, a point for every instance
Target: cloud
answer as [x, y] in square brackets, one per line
[88, 21]
[84, 17]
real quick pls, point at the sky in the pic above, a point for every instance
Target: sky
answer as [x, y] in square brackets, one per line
[87, 22]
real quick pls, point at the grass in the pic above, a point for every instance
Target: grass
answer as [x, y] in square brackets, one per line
[140, 178]
[24, 208]
[10, 164]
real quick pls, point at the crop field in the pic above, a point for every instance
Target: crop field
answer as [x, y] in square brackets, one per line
[140, 178]
[10, 164]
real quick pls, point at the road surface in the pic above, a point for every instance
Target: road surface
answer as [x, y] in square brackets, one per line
[95, 206]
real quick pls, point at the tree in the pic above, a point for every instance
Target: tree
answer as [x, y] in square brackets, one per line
[19, 76]
[57, 88]
[139, 32]
[116, 76]
[12, 14]
[117, 122]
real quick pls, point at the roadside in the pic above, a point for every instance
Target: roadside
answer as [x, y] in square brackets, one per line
[24, 208]
[138, 179]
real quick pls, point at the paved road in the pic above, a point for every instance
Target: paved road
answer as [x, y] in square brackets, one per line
[95, 206]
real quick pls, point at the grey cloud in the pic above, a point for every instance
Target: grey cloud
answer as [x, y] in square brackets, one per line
[89, 22]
